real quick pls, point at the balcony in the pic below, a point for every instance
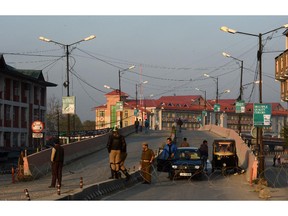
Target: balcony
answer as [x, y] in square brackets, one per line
[281, 66]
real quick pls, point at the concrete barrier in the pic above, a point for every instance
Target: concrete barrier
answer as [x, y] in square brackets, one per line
[245, 155]
[99, 190]
[39, 163]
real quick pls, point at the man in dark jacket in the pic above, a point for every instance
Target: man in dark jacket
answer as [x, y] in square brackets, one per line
[204, 153]
[115, 145]
[57, 160]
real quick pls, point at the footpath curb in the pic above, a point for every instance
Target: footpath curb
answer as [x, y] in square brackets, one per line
[101, 189]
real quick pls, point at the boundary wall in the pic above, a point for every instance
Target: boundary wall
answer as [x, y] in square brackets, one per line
[245, 155]
[39, 163]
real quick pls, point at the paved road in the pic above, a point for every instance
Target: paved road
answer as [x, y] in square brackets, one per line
[95, 168]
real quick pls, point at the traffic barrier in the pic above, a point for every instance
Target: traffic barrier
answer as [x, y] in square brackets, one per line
[13, 175]
[81, 182]
[27, 194]
[99, 190]
[58, 189]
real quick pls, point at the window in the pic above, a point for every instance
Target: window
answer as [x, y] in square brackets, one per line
[101, 113]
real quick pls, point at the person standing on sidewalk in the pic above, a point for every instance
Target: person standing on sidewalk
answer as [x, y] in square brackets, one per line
[147, 158]
[57, 160]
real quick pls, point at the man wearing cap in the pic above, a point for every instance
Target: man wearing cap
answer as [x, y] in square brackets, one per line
[147, 158]
[115, 145]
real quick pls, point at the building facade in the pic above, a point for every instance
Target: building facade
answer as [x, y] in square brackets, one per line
[22, 101]
[193, 110]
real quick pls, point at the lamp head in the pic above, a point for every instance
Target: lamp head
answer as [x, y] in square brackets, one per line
[226, 29]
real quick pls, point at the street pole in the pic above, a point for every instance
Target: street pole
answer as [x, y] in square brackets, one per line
[68, 93]
[259, 129]
[120, 92]
[261, 157]
[241, 88]
[66, 83]
[120, 97]
[217, 100]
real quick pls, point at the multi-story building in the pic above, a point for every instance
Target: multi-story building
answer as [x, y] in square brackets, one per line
[22, 101]
[193, 110]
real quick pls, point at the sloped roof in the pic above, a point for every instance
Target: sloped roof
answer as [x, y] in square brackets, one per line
[179, 99]
[116, 92]
[31, 75]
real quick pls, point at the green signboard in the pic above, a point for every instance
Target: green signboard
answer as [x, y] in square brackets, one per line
[136, 112]
[262, 115]
[216, 107]
[240, 106]
[68, 105]
[119, 106]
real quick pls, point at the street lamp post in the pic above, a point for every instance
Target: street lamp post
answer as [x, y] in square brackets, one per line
[66, 83]
[120, 93]
[241, 87]
[205, 103]
[139, 84]
[259, 58]
[217, 94]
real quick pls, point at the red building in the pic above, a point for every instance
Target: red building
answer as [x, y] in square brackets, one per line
[22, 101]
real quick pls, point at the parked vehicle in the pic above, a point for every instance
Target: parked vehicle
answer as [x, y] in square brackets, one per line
[187, 163]
[224, 156]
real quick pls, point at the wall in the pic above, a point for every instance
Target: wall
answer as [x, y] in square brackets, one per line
[39, 163]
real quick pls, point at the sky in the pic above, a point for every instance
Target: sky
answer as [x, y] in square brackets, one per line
[170, 50]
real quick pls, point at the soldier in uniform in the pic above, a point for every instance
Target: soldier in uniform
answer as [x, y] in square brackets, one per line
[146, 163]
[115, 145]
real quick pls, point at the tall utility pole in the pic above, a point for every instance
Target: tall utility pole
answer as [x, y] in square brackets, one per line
[261, 157]
[205, 103]
[120, 92]
[217, 94]
[241, 88]
[67, 83]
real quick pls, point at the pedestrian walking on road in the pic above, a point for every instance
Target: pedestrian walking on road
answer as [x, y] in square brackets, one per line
[204, 154]
[274, 160]
[279, 159]
[57, 160]
[184, 143]
[146, 126]
[147, 158]
[115, 145]
[136, 125]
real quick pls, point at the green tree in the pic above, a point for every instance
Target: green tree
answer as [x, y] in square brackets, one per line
[56, 120]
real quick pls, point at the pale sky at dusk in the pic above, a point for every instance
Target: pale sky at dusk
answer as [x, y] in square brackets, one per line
[171, 52]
